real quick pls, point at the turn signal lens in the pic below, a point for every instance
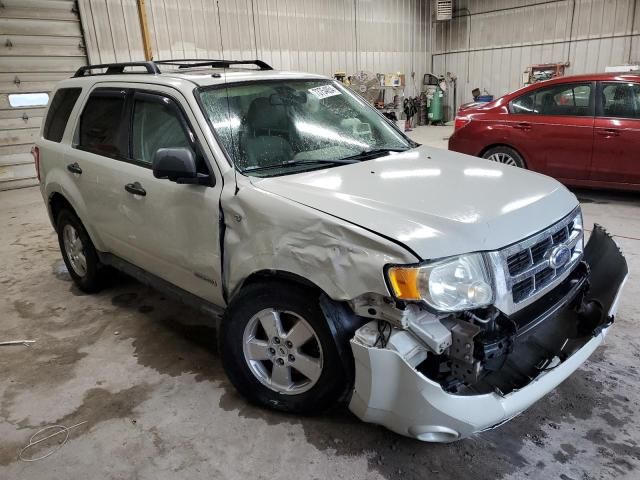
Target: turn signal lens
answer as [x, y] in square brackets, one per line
[404, 282]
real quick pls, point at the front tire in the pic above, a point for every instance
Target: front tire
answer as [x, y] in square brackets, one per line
[278, 351]
[78, 252]
[505, 155]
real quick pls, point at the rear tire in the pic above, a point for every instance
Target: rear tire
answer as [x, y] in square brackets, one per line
[78, 252]
[278, 351]
[505, 155]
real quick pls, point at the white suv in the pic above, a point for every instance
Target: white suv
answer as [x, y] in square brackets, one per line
[437, 293]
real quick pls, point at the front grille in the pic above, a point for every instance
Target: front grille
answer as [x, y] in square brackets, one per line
[560, 236]
[540, 248]
[519, 261]
[522, 290]
[542, 278]
[528, 271]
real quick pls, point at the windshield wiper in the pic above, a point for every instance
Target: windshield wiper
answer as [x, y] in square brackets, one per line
[373, 153]
[296, 163]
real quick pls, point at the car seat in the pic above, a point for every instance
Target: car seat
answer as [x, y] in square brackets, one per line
[267, 139]
[548, 104]
[622, 103]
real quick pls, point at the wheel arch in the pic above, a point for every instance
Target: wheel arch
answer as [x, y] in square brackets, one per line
[504, 144]
[275, 276]
[57, 203]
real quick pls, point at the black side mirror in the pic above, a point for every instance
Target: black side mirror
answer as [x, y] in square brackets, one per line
[177, 165]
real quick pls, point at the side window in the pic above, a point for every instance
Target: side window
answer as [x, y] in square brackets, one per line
[621, 100]
[59, 111]
[565, 99]
[580, 95]
[103, 129]
[524, 104]
[157, 123]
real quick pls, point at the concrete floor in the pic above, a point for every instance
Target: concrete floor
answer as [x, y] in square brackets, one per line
[143, 373]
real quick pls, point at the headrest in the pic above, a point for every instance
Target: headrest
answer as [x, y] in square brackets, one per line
[264, 116]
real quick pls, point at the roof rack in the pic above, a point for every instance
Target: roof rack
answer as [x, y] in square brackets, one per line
[153, 67]
[116, 68]
[213, 62]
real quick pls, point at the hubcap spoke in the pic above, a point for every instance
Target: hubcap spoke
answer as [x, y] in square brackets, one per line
[308, 366]
[503, 158]
[258, 349]
[299, 334]
[82, 263]
[271, 323]
[281, 376]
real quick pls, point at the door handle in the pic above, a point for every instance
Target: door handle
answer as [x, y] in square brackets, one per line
[609, 132]
[522, 126]
[74, 168]
[135, 188]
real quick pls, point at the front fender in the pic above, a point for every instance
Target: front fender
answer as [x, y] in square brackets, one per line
[264, 231]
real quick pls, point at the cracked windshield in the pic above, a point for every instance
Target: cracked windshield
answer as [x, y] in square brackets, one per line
[276, 127]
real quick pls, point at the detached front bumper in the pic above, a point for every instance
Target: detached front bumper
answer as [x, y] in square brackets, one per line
[389, 391]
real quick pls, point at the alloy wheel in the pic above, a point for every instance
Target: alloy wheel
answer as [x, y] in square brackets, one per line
[282, 351]
[504, 158]
[75, 250]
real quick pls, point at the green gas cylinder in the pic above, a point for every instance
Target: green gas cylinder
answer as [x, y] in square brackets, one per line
[435, 106]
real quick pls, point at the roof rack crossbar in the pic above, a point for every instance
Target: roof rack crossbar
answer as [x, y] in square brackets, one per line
[115, 68]
[152, 67]
[213, 62]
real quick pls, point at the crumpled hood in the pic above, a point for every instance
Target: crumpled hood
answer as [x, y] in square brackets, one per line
[436, 202]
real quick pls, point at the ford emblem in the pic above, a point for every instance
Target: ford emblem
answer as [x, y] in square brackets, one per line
[559, 256]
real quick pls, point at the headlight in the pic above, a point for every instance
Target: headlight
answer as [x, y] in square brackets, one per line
[452, 284]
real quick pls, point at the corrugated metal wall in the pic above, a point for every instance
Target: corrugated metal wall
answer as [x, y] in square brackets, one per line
[40, 44]
[320, 36]
[489, 43]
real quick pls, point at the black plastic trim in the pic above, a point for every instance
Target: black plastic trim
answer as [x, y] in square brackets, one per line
[161, 285]
[117, 68]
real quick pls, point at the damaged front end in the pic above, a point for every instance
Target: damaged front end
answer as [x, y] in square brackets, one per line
[443, 378]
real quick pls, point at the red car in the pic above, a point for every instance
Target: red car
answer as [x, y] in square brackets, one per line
[584, 130]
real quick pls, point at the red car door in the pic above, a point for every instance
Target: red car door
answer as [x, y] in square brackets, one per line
[553, 125]
[616, 147]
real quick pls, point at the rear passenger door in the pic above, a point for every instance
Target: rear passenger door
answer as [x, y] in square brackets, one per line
[616, 150]
[556, 125]
[168, 229]
[99, 147]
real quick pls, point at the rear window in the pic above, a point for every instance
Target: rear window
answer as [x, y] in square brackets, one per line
[59, 112]
[102, 129]
[567, 99]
